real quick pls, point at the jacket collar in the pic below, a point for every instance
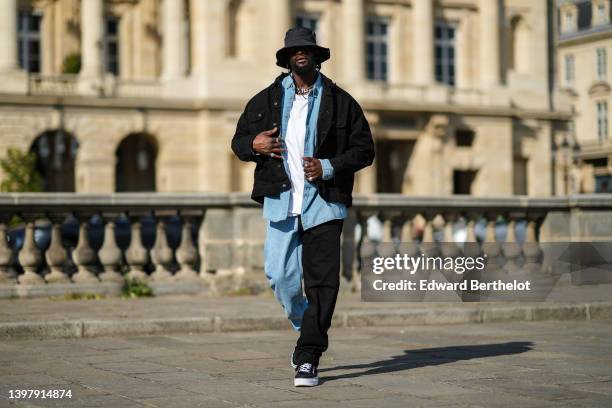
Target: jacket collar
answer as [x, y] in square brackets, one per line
[327, 83]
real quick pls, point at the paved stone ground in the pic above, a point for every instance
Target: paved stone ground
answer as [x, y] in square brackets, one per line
[171, 306]
[537, 364]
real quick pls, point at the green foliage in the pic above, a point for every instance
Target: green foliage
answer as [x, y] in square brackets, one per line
[134, 288]
[79, 296]
[72, 64]
[20, 173]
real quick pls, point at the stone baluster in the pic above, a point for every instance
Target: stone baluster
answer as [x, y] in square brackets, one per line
[387, 228]
[203, 236]
[387, 247]
[186, 253]
[30, 256]
[56, 253]
[471, 246]
[407, 230]
[472, 249]
[161, 253]
[428, 245]
[449, 227]
[110, 253]
[136, 255]
[448, 247]
[471, 227]
[491, 247]
[511, 249]
[348, 244]
[531, 249]
[6, 253]
[84, 255]
[407, 244]
[366, 249]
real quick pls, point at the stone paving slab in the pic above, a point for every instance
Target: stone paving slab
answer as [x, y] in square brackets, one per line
[512, 364]
[53, 318]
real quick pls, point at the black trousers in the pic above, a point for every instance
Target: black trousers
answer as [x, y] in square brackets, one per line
[321, 268]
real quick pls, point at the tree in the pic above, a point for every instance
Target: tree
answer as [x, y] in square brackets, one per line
[20, 173]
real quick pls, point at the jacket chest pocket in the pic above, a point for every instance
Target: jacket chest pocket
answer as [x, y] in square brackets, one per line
[341, 133]
[257, 121]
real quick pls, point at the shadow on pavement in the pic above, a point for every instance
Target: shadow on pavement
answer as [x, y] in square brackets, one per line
[428, 357]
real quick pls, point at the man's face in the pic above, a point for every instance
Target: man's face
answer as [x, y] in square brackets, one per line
[302, 59]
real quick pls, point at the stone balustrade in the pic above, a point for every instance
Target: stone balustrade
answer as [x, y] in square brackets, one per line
[126, 88]
[57, 243]
[67, 85]
[515, 231]
[60, 85]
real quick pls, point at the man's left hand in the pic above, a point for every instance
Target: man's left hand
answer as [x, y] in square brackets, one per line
[312, 168]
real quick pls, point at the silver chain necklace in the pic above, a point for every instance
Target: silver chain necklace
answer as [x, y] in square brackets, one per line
[303, 91]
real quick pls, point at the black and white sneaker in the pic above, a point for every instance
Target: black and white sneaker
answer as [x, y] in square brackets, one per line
[306, 376]
[294, 363]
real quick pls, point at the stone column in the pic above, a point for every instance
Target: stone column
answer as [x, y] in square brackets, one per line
[463, 51]
[354, 41]
[489, 44]
[280, 20]
[92, 32]
[173, 14]
[397, 46]
[423, 42]
[127, 48]
[198, 34]
[48, 40]
[8, 39]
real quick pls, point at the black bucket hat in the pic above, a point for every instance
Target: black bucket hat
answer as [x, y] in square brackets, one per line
[300, 37]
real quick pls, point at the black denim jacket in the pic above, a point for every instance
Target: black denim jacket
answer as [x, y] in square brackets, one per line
[343, 137]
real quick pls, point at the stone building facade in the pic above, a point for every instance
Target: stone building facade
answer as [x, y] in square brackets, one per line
[460, 94]
[584, 43]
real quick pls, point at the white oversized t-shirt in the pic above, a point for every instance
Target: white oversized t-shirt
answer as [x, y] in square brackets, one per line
[294, 142]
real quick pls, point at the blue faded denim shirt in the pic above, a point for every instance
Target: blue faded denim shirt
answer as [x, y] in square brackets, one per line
[315, 210]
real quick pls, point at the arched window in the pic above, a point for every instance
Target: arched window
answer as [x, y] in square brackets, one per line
[519, 45]
[55, 152]
[135, 169]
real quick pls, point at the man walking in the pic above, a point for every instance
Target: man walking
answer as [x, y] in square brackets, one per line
[308, 137]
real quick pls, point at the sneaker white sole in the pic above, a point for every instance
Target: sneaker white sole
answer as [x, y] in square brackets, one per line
[293, 365]
[306, 382]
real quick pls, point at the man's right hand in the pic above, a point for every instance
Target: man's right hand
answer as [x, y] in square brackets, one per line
[268, 144]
